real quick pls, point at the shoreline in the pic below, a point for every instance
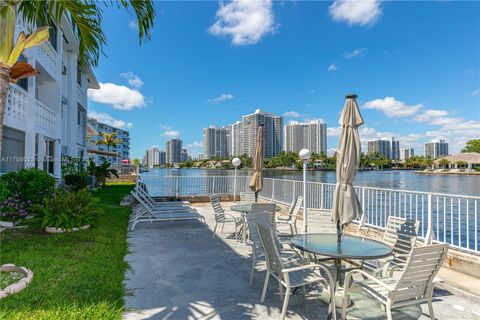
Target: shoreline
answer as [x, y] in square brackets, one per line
[449, 173]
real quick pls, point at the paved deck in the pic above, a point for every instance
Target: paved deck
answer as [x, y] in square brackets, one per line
[179, 272]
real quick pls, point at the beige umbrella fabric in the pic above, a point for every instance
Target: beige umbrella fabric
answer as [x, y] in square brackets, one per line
[256, 182]
[346, 206]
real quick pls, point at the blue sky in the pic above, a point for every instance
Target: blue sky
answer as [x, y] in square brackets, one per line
[414, 65]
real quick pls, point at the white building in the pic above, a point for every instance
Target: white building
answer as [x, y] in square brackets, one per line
[406, 153]
[390, 148]
[122, 150]
[235, 139]
[173, 149]
[273, 133]
[436, 149]
[46, 115]
[154, 157]
[215, 142]
[311, 135]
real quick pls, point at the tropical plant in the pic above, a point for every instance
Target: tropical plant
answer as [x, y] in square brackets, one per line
[472, 146]
[73, 165]
[101, 172]
[428, 162]
[14, 208]
[109, 139]
[444, 163]
[29, 184]
[461, 164]
[66, 210]
[3, 191]
[85, 17]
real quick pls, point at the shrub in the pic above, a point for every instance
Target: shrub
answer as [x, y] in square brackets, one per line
[66, 210]
[101, 172]
[3, 191]
[14, 208]
[75, 181]
[30, 184]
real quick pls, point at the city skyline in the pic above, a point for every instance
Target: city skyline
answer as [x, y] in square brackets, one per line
[300, 67]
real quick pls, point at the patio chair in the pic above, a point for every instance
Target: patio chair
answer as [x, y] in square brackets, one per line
[258, 254]
[415, 284]
[247, 197]
[144, 193]
[400, 234]
[265, 207]
[291, 219]
[146, 212]
[221, 217]
[289, 276]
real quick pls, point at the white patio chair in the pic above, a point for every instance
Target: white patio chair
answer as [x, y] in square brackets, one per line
[291, 276]
[258, 254]
[221, 217]
[143, 193]
[400, 234]
[414, 286]
[291, 219]
[247, 197]
[269, 207]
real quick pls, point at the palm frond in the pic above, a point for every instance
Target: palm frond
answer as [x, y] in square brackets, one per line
[144, 10]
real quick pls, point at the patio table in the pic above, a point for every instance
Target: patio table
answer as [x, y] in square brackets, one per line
[245, 208]
[350, 247]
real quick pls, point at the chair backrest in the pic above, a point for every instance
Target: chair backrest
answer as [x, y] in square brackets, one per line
[421, 268]
[254, 218]
[274, 262]
[265, 207]
[295, 208]
[321, 221]
[217, 207]
[247, 197]
[400, 234]
[141, 200]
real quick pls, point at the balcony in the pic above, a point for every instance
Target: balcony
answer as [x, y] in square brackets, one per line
[47, 56]
[45, 120]
[16, 108]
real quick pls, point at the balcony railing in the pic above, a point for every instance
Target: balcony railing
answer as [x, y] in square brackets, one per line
[445, 218]
[16, 108]
[47, 56]
[45, 120]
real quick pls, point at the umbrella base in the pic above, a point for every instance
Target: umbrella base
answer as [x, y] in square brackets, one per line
[325, 297]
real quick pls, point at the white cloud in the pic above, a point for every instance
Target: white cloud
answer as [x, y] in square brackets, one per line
[133, 79]
[355, 53]
[356, 12]
[194, 148]
[171, 133]
[221, 98]
[133, 25]
[436, 117]
[476, 93]
[393, 108]
[118, 96]
[109, 120]
[292, 114]
[332, 67]
[245, 21]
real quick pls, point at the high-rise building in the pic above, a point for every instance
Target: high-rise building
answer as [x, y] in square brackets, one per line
[184, 155]
[406, 153]
[272, 131]
[436, 149]
[235, 139]
[311, 135]
[173, 149]
[153, 157]
[390, 148]
[215, 142]
[121, 149]
[162, 157]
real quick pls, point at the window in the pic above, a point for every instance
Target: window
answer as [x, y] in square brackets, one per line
[53, 35]
[79, 74]
[23, 83]
[49, 156]
[80, 116]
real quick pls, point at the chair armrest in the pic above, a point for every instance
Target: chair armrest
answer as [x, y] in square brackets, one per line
[369, 276]
[304, 267]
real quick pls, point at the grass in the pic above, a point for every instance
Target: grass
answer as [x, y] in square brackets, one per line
[76, 275]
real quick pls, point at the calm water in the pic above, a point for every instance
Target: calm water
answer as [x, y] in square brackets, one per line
[404, 180]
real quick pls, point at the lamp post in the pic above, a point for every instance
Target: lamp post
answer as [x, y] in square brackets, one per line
[236, 163]
[304, 155]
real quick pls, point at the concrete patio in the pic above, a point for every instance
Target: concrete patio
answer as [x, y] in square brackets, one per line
[179, 272]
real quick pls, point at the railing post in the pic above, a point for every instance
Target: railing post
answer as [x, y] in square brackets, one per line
[213, 184]
[429, 235]
[322, 202]
[362, 219]
[294, 191]
[273, 189]
[177, 186]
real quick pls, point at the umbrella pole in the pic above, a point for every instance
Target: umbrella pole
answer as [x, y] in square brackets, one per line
[339, 232]
[256, 196]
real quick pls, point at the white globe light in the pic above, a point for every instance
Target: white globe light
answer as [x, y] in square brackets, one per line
[304, 154]
[236, 162]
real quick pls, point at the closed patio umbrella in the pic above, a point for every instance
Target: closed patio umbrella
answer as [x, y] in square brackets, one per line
[256, 182]
[346, 206]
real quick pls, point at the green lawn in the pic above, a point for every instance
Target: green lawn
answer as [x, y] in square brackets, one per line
[76, 275]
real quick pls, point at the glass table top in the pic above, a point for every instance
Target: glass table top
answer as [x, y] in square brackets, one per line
[246, 207]
[350, 246]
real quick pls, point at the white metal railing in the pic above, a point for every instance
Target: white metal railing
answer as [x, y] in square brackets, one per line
[446, 218]
[45, 119]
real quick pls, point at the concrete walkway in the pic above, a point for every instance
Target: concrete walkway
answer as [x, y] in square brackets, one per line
[179, 272]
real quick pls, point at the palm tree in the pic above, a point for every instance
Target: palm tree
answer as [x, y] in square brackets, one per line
[109, 139]
[444, 163]
[85, 17]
